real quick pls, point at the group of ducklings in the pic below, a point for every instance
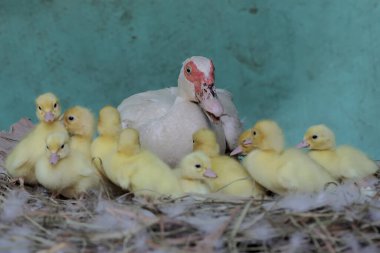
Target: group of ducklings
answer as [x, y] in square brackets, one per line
[61, 154]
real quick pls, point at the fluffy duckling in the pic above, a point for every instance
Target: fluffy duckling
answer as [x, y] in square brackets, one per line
[79, 122]
[342, 162]
[205, 140]
[232, 178]
[109, 128]
[280, 170]
[193, 171]
[63, 172]
[21, 161]
[139, 170]
[244, 144]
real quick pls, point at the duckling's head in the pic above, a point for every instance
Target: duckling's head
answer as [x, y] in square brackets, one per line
[267, 135]
[318, 137]
[129, 141]
[197, 165]
[47, 107]
[109, 122]
[57, 146]
[205, 140]
[244, 144]
[79, 121]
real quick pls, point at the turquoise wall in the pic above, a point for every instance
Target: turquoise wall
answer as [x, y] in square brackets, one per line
[298, 62]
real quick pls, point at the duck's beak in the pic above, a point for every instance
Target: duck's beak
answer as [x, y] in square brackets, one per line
[209, 173]
[303, 144]
[208, 98]
[237, 150]
[54, 158]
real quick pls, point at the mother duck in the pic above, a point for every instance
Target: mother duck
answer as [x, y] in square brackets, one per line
[167, 118]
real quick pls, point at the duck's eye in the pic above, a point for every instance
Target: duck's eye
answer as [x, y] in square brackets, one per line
[188, 70]
[197, 166]
[63, 145]
[254, 133]
[55, 105]
[39, 108]
[314, 137]
[71, 118]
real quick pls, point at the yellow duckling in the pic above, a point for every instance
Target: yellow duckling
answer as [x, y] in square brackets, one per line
[109, 128]
[341, 162]
[139, 170]
[244, 144]
[280, 170]
[21, 161]
[193, 171]
[205, 140]
[80, 123]
[64, 172]
[232, 178]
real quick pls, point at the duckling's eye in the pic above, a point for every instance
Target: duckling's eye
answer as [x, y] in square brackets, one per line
[47, 147]
[254, 133]
[314, 137]
[55, 105]
[71, 118]
[197, 166]
[39, 108]
[63, 145]
[188, 70]
[193, 141]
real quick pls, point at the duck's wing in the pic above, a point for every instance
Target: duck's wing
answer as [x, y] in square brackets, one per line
[231, 123]
[141, 108]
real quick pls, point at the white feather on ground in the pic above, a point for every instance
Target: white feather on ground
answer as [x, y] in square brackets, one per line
[13, 205]
[16, 240]
[336, 197]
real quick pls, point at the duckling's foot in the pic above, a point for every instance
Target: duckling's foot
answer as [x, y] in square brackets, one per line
[54, 195]
[82, 196]
[20, 180]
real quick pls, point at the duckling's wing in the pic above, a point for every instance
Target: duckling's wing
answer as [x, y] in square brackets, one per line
[287, 178]
[355, 163]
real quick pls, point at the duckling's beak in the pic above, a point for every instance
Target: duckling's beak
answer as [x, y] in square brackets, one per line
[49, 117]
[247, 141]
[303, 144]
[209, 173]
[237, 150]
[54, 158]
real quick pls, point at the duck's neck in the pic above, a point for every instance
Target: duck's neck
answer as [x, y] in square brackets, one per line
[185, 89]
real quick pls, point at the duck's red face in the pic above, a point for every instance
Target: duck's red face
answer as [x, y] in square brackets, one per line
[201, 75]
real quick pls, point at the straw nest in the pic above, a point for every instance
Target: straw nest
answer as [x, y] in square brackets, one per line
[345, 220]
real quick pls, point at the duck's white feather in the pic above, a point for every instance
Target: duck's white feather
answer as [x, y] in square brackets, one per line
[167, 121]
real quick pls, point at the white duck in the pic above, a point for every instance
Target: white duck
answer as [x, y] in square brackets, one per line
[167, 118]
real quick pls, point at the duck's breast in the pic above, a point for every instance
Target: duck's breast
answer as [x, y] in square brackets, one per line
[166, 122]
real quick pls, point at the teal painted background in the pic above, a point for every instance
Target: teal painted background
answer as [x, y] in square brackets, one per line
[298, 62]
